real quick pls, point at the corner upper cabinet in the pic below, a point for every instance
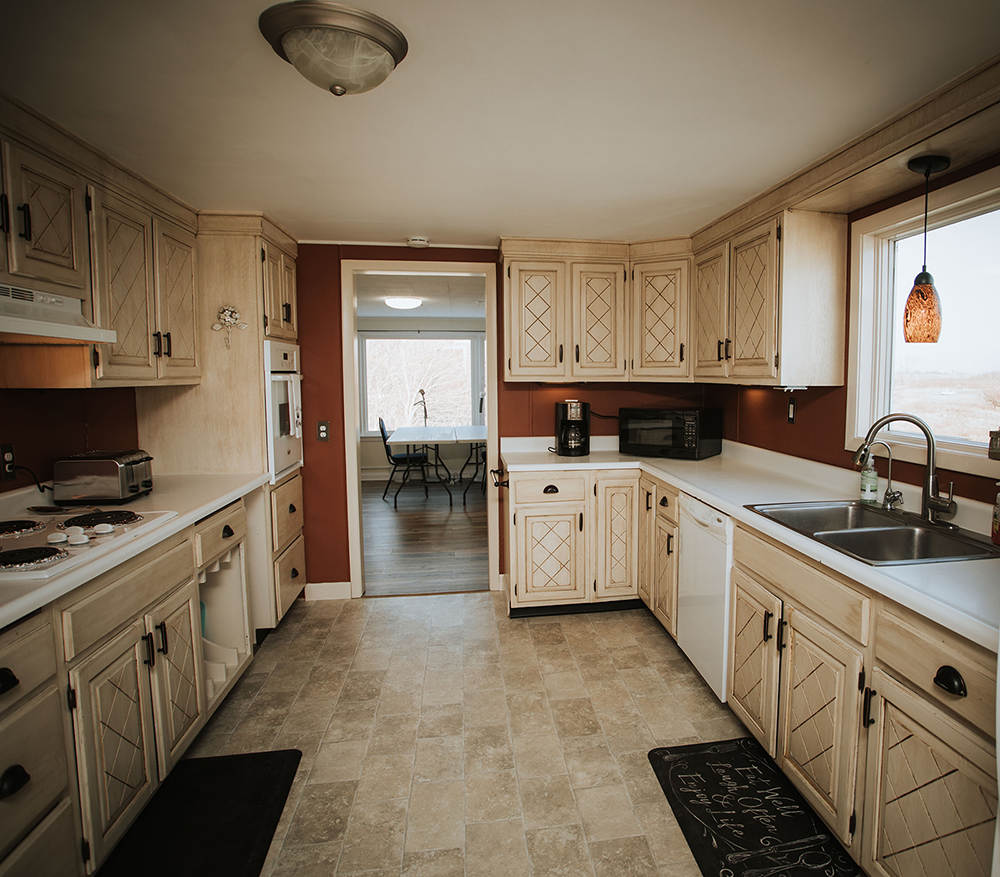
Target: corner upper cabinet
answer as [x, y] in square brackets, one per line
[44, 218]
[770, 303]
[659, 321]
[280, 307]
[144, 289]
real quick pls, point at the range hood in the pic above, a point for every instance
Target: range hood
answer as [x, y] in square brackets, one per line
[47, 315]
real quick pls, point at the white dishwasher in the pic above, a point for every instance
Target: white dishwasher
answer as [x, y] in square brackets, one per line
[706, 557]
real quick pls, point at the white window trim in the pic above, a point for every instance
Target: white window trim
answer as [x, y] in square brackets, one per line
[477, 353]
[868, 363]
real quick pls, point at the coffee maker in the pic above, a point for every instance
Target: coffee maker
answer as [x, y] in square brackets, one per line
[572, 428]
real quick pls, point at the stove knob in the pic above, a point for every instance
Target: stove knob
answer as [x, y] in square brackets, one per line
[74, 531]
[103, 529]
[57, 537]
[79, 539]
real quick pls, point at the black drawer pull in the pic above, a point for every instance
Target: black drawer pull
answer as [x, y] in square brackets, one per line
[158, 348]
[866, 711]
[949, 679]
[550, 488]
[170, 345]
[295, 573]
[649, 496]
[664, 501]
[727, 348]
[781, 635]
[26, 221]
[13, 780]
[162, 628]
[719, 351]
[286, 312]
[150, 659]
[8, 680]
[291, 509]
[227, 531]
[670, 542]
[581, 522]
[767, 623]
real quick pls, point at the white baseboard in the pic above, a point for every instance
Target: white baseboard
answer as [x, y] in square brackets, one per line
[328, 591]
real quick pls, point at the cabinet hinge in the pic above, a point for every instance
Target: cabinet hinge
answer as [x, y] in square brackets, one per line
[852, 822]
[71, 697]
[89, 202]
[97, 357]
[861, 680]
[263, 255]
[779, 233]
[85, 850]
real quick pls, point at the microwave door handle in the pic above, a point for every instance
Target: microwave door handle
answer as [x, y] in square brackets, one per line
[296, 393]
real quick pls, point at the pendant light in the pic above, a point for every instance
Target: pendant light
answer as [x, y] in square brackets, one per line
[340, 49]
[922, 316]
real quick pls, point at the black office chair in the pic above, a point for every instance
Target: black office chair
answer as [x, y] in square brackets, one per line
[407, 462]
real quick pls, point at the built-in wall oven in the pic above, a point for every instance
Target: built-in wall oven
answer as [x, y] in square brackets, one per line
[283, 400]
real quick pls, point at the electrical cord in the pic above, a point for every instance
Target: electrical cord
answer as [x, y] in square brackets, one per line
[605, 416]
[41, 487]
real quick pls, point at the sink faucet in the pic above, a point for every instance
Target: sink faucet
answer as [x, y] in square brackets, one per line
[931, 504]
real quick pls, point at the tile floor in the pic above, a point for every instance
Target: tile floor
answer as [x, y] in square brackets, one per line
[440, 738]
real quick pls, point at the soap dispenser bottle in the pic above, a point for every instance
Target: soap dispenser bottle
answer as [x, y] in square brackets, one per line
[995, 532]
[869, 481]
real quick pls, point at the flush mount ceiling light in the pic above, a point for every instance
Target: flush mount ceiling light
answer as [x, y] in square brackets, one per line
[922, 316]
[340, 49]
[402, 303]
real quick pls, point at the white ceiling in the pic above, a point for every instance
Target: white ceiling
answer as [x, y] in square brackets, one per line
[442, 297]
[561, 118]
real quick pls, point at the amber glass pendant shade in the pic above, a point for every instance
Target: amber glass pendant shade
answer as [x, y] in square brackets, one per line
[922, 317]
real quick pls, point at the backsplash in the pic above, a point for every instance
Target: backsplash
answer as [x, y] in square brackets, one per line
[47, 425]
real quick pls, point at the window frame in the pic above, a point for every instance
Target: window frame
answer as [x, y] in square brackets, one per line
[870, 327]
[477, 360]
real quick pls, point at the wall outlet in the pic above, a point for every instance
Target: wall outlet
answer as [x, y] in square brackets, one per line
[322, 430]
[7, 464]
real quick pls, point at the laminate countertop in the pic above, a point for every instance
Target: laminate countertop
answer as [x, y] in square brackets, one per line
[193, 497]
[963, 596]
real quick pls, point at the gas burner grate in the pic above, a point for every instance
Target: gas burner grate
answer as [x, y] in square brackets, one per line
[20, 528]
[115, 517]
[26, 558]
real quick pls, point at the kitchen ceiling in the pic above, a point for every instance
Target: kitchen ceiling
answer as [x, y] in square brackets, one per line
[442, 296]
[582, 119]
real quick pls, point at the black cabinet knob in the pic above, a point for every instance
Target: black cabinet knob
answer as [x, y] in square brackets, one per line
[13, 780]
[8, 680]
[295, 573]
[227, 531]
[550, 488]
[291, 509]
[949, 679]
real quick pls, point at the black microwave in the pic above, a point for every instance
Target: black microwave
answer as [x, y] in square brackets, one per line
[682, 433]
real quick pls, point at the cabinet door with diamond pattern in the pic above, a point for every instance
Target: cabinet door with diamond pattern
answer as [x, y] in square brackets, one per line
[550, 554]
[753, 287]
[48, 219]
[617, 511]
[931, 791]
[176, 303]
[178, 689]
[598, 304]
[665, 574]
[819, 718]
[537, 312]
[660, 348]
[710, 295]
[113, 725]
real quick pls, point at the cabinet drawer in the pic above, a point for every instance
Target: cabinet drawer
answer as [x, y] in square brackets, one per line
[27, 659]
[836, 603]
[94, 617]
[917, 649]
[555, 487]
[666, 501]
[286, 512]
[290, 574]
[32, 737]
[50, 850]
[219, 533]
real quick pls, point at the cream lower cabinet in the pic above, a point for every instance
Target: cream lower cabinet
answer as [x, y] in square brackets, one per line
[616, 522]
[665, 556]
[644, 540]
[551, 561]
[288, 547]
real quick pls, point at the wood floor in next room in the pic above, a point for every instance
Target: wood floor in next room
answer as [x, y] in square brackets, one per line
[424, 546]
[441, 738]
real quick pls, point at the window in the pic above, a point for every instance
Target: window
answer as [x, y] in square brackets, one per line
[450, 367]
[954, 385]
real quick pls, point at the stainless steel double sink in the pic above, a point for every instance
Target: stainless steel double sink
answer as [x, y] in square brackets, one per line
[878, 536]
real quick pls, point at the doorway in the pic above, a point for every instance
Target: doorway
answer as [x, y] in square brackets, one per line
[421, 541]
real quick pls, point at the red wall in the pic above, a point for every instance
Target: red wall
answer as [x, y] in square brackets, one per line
[47, 425]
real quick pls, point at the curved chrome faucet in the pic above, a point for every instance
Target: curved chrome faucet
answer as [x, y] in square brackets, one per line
[931, 504]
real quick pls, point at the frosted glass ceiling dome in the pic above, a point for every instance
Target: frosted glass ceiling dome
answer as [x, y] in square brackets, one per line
[340, 49]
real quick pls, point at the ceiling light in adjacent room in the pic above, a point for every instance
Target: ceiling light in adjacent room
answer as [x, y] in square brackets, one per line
[340, 49]
[402, 303]
[922, 317]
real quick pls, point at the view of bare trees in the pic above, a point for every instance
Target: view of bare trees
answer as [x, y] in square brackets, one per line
[397, 369]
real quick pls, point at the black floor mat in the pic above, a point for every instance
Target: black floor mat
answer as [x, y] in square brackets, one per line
[212, 817]
[741, 816]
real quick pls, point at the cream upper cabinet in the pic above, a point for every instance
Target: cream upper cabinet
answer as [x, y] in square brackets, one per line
[45, 221]
[280, 308]
[598, 313]
[770, 303]
[660, 349]
[535, 337]
[144, 289]
[616, 521]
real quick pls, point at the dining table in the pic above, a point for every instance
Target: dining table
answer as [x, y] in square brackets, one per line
[434, 437]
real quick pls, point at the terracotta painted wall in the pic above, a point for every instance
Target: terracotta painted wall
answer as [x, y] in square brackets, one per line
[47, 425]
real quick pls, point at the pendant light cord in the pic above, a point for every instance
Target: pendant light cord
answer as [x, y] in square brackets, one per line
[927, 190]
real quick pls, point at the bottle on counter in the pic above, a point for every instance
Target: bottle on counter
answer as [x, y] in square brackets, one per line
[995, 531]
[869, 482]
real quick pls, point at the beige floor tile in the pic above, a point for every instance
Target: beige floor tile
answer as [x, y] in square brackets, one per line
[434, 863]
[643, 681]
[564, 685]
[249, 740]
[628, 657]
[575, 717]
[269, 709]
[480, 677]
[609, 694]
[396, 701]
[496, 849]
[520, 679]
[307, 715]
[288, 675]
[607, 813]
[663, 834]
[338, 762]
[441, 721]
[439, 758]
[487, 749]
[394, 735]
[487, 707]
[315, 860]
[350, 722]
[385, 776]
[443, 686]
[491, 796]
[374, 837]
[321, 814]
[626, 732]
[665, 718]
[529, 714]
[372, 658]
[641, 782]
[559, 852]
[623, 856]
[555, 659]
[725, 728]
[436, 817]
[538, 756]
[548, 801]
[361, 685]
[589, 762]
[598, 666]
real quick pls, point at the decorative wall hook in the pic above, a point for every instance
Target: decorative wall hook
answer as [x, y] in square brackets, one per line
[229, 319]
